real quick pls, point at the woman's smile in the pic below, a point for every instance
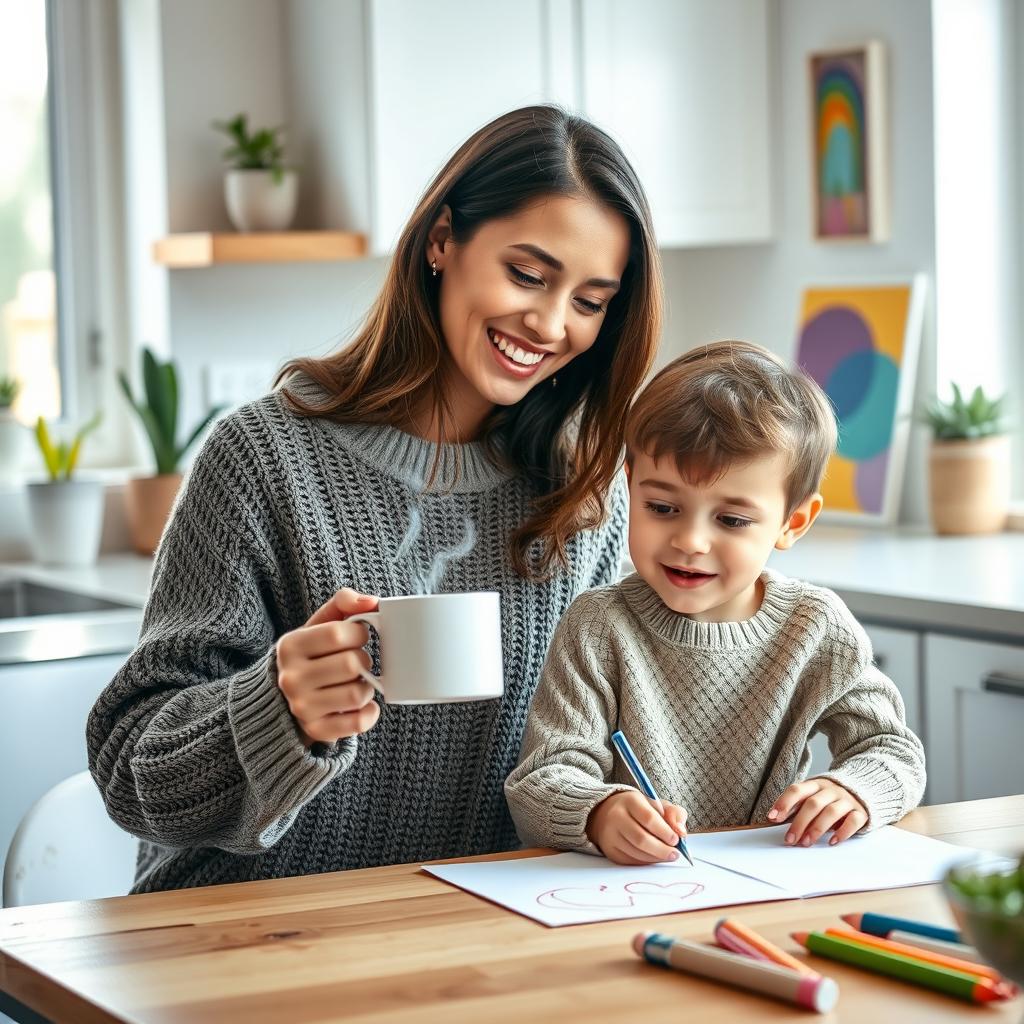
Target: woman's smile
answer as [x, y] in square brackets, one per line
[514, 355]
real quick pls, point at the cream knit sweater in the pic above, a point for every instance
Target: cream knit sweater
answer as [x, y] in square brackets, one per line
[719, 714]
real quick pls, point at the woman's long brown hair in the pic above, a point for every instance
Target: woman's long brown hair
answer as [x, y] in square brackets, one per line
[567, 439]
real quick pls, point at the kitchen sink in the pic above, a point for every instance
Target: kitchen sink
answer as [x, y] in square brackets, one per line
[21, 597]
[44, 622]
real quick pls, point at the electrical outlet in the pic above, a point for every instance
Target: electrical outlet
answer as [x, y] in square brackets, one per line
[233, 384]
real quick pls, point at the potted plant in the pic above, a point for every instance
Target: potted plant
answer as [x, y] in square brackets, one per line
[149, 499]
[969, 463]
[12, 432]
[66, 514]
[260, 192]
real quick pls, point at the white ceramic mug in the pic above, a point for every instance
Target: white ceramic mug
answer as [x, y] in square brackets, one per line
[438, 648]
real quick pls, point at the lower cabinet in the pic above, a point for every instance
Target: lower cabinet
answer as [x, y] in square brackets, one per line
[896, 654]
[975, 718]
[43, 709]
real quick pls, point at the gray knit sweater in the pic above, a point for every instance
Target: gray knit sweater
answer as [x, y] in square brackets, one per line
[192, 744]
[719, 714]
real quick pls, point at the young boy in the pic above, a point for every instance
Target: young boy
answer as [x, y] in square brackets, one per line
[717, 669]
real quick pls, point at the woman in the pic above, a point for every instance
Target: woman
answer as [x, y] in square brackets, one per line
[466, 440]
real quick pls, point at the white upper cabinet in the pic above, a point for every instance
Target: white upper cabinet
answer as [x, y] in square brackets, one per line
[440, 70]
[683, 85]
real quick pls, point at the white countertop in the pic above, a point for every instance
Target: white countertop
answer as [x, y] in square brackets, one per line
[123, 577]
[904, 576]
[960, 584]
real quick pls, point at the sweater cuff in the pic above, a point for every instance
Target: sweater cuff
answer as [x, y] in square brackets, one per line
[875, 786]
[570, 810]
[282, 773]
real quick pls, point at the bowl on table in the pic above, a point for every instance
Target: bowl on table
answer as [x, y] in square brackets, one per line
[987, 901]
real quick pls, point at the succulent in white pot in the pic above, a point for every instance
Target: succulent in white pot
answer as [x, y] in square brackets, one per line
[12, 432]
[261, 193]
[66, 514]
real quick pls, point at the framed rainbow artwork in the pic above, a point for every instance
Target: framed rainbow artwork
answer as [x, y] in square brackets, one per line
[860, 343]
[851, 194]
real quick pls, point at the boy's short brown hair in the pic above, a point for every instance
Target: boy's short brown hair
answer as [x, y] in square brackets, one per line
[730, 402]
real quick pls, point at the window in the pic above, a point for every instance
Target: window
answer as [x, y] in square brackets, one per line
[28, 300]
[61, 313]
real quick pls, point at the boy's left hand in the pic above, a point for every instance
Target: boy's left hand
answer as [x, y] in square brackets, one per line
[820, 804]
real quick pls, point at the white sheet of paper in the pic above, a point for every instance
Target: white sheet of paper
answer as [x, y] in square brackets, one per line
[887, 858]
[574, 888]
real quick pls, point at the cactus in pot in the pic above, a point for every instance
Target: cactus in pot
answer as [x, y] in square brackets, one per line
[149, 499]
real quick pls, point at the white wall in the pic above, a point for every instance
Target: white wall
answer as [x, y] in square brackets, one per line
[753, 292]
[294, 62]
[266, 314]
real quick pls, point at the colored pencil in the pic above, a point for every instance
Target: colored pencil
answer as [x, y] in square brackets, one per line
[737, 937]
[811, 991]
[882, 924]
[640, 776]
[941, 979]
[924, 955]
[957, 949]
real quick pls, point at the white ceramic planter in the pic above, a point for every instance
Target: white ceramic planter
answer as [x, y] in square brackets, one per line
[257, 203]
[13, 435]
[66, 520]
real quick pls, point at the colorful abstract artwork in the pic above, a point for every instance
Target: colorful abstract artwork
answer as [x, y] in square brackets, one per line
[850, 196]
[860, 344]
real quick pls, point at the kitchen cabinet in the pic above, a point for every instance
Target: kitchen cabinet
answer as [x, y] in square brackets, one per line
[43, 710]
[974, 698]
[896, 653]
[440, 71]
[683, 85]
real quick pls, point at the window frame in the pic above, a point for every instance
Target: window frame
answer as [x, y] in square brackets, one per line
[86, 180]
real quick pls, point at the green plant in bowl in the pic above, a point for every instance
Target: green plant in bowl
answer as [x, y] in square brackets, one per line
[988, 903]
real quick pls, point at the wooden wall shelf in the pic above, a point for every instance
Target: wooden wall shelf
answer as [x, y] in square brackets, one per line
[204, 249]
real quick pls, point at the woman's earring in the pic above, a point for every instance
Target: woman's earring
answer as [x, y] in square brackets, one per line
[554, 382]
[433, 268]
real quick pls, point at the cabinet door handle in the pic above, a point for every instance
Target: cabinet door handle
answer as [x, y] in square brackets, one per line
[996, 682]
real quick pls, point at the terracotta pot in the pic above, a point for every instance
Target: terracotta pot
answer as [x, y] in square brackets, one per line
[148, 501]
[969, 485]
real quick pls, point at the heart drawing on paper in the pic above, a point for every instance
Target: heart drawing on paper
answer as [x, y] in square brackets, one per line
[600, 897]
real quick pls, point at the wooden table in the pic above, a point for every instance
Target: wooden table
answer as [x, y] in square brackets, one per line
[395, 944]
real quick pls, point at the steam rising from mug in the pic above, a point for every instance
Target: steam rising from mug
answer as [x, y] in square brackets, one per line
[427, 582]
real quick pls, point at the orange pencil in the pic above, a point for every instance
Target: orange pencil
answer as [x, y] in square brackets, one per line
[738, 938]
[925, 955]
[896, 965]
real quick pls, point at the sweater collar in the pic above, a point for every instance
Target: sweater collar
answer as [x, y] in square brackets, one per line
[780, 597]
[461, 468]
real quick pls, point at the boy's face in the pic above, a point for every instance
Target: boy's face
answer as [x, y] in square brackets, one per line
[703, 547]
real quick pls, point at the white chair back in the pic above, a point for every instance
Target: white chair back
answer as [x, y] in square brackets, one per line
[67, 848]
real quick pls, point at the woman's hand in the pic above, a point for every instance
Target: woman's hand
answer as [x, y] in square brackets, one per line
[820, 805]
[630, 829]
[318, 671]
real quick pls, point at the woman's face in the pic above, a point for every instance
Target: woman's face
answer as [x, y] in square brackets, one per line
[525, 296]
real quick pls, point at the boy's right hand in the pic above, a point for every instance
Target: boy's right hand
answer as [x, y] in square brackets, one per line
[318, 671]
[628, 828]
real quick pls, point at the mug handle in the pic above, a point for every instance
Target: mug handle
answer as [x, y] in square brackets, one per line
[371, 619]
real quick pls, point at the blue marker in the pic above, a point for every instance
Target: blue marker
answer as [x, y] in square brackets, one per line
[882, 924]
[626, 752]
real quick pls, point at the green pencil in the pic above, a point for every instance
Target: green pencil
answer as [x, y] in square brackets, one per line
[942, 979]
